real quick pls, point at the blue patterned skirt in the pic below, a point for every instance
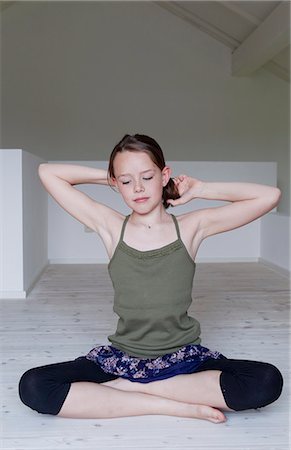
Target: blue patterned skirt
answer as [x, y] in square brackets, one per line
[143, 370]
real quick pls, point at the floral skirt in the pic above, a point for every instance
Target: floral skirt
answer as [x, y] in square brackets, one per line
[143, 370]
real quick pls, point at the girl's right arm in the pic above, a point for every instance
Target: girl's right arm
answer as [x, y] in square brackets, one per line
[59, 179]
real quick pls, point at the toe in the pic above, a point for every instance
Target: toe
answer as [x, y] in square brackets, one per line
[217, 416]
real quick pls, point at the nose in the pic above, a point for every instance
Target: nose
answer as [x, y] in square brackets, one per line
[138, 187]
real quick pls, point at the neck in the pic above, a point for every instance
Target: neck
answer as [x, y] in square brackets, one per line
[150, 219]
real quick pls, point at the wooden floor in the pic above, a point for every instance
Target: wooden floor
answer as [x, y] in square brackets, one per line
[244, 312]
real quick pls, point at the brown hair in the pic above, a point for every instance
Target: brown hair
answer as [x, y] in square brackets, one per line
[146, 144]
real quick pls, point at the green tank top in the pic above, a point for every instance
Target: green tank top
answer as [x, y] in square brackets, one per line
[152, 295]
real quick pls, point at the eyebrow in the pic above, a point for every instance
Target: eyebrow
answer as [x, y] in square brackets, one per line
[128, 174]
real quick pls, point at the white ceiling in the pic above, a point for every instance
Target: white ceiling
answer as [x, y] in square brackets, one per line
[4, 5]
[257, 31]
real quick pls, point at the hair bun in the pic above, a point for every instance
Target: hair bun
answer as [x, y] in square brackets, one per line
[170, 191]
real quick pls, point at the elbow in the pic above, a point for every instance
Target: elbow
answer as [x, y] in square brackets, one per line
[41, 168]
[276, 196]
[42, 165]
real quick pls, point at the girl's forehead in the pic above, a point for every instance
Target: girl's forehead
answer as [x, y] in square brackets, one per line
[133, 159]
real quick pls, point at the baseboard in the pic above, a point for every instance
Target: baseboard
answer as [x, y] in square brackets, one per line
[79, 261]
[106, 260]
[278, 269]
[226, 260]
[10, 295]
[36, 278]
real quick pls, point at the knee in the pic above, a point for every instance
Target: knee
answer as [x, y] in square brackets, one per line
[30, 389]
[34, 391]
[252, 385]
[270, 384]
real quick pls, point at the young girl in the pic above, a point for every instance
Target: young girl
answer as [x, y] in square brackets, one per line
[156, 363]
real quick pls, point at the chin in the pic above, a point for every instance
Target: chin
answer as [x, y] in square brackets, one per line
[143, 208]
[140, 210]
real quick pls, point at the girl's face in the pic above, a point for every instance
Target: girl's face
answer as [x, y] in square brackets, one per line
[139, 180]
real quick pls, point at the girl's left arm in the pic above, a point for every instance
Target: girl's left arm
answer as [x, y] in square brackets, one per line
[249, 202]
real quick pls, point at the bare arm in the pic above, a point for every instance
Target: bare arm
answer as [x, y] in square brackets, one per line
[249, 202]
[59, 179]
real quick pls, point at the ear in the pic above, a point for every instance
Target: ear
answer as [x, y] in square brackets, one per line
[166, 175]
[113, 183]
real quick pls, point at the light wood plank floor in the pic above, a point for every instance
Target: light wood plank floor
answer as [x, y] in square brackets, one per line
[244, 312]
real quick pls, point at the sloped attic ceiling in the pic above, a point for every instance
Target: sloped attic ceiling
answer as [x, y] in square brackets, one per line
[258, 32]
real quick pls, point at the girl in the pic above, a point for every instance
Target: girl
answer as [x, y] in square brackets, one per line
[156, 363]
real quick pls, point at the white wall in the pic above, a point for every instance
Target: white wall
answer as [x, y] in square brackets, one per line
[86, 73]
[68, 242]
[11, 222]
[23, 222]
[275, 241]
[35, 221]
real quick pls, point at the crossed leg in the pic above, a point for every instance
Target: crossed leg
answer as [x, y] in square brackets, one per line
[80, 388]
[123, 398]
[197, 388]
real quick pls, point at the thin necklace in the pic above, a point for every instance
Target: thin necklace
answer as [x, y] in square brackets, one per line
[146, 225]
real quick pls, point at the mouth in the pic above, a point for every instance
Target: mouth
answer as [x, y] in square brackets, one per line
[141, 199]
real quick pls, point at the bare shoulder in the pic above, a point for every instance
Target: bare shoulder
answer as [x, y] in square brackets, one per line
[110, 228]
[189, 225]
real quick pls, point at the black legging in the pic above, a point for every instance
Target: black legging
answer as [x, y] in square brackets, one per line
[244, 384]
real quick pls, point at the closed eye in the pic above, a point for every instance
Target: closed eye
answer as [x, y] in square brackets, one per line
[144, 178]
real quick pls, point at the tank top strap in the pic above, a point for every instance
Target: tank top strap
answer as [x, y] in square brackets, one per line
[123, 227]
[176, 225]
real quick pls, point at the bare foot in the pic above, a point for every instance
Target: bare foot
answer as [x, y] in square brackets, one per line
[207, 413]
